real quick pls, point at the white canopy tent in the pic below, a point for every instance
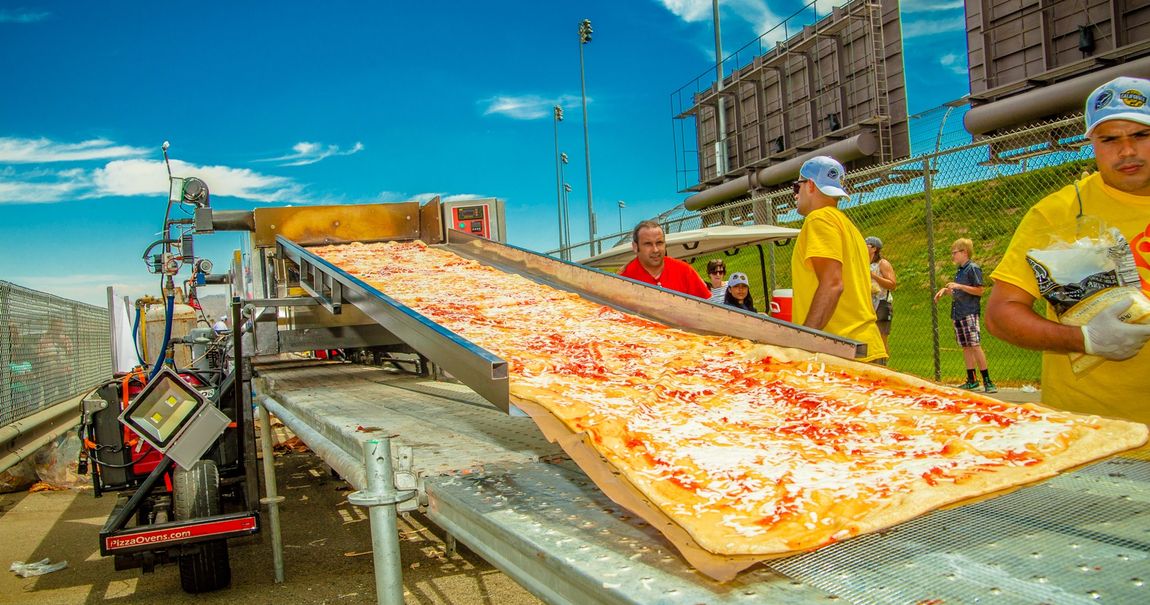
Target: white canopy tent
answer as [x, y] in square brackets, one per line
[686, 245]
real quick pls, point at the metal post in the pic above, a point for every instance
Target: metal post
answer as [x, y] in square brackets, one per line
[558, 112]
[272, 499]
[926, 189]
[584, 38]
[381, 497]
[621, 207]
[566, 224]
[566, 215]
[928, 166]
[721, 130]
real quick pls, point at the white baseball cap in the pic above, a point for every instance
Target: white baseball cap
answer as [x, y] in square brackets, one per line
[827, 175]
[1122, 98]
[738, 278]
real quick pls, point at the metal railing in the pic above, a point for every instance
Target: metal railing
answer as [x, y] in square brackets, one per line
[51, 349]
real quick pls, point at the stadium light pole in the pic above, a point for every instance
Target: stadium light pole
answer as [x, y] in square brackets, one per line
[721, 135]
[566, 225]
[558, 112]
[584, 38]
[621, 207]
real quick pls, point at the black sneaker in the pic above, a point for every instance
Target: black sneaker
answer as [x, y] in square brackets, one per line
[990, 388]
[969, 386]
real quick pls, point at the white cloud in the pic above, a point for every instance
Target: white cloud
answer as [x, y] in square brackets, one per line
[38, 192]
[954, 62]
[147, 177]
[391, 196]
[528, 107]
[755, 12]
[689, 10]
[396, 196]
[917, 29]
[37, 151]
[306, 152]
[460, 197]
[141, 177]
[88, 288]
[22, 15]
[930, 6]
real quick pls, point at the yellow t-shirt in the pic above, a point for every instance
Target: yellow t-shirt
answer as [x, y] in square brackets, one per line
[828, 233]
[1115, 388]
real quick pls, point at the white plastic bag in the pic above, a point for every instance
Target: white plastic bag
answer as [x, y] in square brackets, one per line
[39, 568]
[1081, 278]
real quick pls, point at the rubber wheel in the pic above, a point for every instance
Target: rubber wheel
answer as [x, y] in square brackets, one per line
[195, 494]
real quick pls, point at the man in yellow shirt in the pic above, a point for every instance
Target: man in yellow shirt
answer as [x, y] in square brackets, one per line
[830, 267]
[1118, 126]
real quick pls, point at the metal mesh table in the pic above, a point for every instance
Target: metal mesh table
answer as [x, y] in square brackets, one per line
[493, 481]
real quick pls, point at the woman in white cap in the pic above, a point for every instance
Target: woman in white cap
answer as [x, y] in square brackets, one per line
[882, 282]
[739, 293]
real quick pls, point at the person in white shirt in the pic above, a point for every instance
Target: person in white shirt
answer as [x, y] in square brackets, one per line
[717, 273]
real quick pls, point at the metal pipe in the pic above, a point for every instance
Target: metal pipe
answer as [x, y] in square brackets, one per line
[384, 527]
[272, 498]
[38, 429]
[23, 426]
[1059, 98]
[233, 220]
[349, 467]
[23, 450]
[861, 145]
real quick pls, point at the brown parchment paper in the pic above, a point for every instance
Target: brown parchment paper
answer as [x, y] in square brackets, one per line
[615, 485]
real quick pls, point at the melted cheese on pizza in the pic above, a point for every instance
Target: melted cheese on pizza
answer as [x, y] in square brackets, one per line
[750, 448]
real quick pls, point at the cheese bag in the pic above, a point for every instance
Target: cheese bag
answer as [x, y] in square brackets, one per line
[1081, 278]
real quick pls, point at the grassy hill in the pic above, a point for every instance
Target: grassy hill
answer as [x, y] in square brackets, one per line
[987, 212]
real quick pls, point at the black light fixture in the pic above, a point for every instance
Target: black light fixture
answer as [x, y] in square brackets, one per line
[1085, 39]
[833, 122]
[777, 145]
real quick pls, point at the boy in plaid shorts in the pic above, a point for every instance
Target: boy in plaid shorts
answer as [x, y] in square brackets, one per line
[967, 289]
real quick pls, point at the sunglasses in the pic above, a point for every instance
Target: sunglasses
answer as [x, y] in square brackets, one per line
[799, 185]
[719, 272]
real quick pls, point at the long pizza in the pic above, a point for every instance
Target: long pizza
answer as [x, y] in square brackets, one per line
[749, 448]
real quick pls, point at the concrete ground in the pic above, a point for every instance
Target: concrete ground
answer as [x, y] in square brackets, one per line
[327, 553]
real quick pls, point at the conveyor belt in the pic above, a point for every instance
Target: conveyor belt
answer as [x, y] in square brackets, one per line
[493, 481]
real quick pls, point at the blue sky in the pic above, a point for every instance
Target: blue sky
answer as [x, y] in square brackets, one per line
[341, 102]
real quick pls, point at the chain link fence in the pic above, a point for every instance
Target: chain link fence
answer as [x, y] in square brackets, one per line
[52, 349]
[952, 187]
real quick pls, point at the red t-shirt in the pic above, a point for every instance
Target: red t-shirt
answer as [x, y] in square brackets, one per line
[677, 275]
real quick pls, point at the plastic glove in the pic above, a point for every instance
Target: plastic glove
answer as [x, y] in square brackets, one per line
[1110, 337]
[39, 568]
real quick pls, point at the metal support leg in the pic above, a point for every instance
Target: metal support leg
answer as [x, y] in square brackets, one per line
[272, 499]
[381, 498]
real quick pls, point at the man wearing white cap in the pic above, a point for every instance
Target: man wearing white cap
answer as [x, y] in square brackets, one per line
[1118, 126]
[830, 267]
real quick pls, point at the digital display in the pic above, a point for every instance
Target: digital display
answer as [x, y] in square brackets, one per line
[469, 213]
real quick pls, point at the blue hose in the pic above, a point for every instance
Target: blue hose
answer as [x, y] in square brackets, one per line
[171, 307]
[136, 337]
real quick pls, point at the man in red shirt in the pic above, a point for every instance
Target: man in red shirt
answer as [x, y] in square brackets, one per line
[653, 266]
